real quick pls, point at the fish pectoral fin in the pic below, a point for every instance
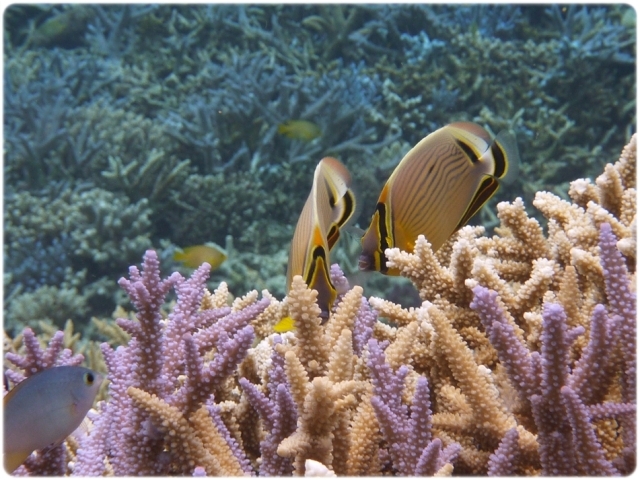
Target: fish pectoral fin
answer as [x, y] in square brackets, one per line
[13, 460]
[485, 191]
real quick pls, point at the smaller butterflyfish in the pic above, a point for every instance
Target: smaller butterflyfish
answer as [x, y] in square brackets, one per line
[300, 130]
[46, 408]
[436, 188]
[286, 324]
[329, 206]
[196, 255]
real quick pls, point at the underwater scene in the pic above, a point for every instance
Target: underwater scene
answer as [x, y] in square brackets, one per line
[320, 239]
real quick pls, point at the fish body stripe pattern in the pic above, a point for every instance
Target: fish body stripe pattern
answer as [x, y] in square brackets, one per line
[435, 189]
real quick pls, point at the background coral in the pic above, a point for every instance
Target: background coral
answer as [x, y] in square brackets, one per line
[178, 106]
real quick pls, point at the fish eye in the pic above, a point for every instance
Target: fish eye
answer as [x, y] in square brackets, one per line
[89, 378]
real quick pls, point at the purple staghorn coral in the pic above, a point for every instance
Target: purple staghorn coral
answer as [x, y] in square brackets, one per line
[501, 462]
[363, 326]
[35, 359]
[278, 413]
[164, 360]
[566, 399]
[407, 431]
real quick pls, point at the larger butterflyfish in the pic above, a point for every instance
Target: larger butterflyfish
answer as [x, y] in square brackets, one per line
[436, 188]
[329, 206]
[43, 410]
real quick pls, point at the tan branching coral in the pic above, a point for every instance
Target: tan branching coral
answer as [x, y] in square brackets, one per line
[496, 372]
[364, 437]
[302, 306]
[475, 404]
[323, 387]
[195, 441]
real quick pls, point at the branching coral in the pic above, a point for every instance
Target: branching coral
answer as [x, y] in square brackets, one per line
[521, 358]
[520, 361]
[86, 235]
[560, 309]
[165, 401]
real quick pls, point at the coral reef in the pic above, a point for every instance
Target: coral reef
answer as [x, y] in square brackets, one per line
[57, 252]
[521, 360]
[154, 102]
[133, 128]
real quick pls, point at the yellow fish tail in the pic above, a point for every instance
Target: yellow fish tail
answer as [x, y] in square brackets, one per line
[287, 324]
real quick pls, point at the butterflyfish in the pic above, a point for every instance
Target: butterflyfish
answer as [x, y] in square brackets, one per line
[435, 189]
[300, 130]
[286, 324]
[46, 408]
[196, 255]
[328, 208]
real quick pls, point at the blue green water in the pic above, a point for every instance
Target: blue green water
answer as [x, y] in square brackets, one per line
[129, 127]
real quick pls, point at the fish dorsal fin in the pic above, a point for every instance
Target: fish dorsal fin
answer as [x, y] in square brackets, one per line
[18, 387]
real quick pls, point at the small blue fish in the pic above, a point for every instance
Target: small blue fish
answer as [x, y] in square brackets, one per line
[45, 409]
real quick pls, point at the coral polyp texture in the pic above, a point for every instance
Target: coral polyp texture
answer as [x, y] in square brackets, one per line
[521, 360]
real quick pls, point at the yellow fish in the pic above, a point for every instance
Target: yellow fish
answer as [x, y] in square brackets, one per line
[64, 28]
[300, 130]
[286, 324]
[329, 206]
[45, 409]
[435, 189]
[196, 255]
